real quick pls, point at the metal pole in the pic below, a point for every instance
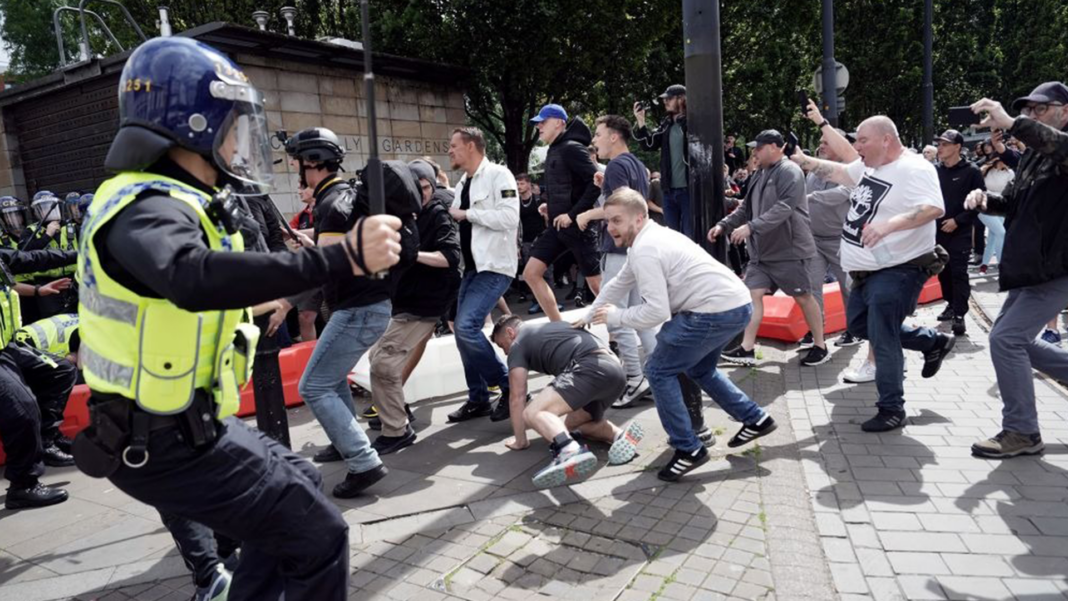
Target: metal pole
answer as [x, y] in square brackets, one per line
[704, 118]
[830, 66]
[928, 72]
[373, 172]
[271, 417]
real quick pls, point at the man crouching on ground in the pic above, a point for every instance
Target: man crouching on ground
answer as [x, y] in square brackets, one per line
[588, 378]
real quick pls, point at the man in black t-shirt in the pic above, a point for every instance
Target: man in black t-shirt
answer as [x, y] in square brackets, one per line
[588, 378]
[360, 309]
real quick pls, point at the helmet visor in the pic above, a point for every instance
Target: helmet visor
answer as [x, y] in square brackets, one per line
[75, 211]
[46, 209]
[13, 220]
[242, 147]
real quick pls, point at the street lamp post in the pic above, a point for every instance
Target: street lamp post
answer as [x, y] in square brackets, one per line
[704, 118]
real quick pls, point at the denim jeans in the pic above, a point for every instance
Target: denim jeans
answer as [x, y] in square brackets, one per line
[325, 384]
[677, 213]
[1016, 350]
[995, 224]
[691, 343]
[478, 295]
[876, 312]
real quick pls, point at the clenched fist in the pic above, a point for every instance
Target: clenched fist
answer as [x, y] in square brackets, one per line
[381, 243]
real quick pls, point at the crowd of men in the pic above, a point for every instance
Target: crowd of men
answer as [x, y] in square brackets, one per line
[165, 335]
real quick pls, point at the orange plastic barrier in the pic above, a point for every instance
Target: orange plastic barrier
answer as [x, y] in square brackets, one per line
[292, 361]
[783, 319]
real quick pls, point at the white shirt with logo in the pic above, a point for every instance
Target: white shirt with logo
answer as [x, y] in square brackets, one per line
[879, 195]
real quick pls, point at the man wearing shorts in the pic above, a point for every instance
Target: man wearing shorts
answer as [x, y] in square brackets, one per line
[774, 221]
[589, 378]
[568, 191]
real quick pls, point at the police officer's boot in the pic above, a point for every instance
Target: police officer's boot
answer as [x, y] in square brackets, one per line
[37, 495]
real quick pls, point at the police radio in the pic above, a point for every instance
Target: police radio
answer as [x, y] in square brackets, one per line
[225, 210]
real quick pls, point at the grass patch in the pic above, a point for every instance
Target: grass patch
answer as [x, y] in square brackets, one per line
[754, 451]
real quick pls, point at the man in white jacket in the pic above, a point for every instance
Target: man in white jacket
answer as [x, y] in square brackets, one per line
[487, 208]
[702, 306]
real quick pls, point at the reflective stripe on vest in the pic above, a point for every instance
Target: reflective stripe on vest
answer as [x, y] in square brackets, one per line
[10, 315]
[148, 349]
[52, 334]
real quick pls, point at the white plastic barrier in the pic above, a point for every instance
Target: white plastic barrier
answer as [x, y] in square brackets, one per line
[440, 372]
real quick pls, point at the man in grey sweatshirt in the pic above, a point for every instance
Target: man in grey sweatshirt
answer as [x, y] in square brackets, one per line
[774, 219]
[828, 203]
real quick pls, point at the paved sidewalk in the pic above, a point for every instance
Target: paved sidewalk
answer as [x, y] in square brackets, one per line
[818, 510]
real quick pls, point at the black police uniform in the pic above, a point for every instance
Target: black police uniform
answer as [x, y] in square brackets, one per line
[244, 485]
[33, 390]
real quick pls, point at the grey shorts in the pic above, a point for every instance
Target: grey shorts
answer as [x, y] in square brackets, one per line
[591, 383]
[311, 300]
[789, 276]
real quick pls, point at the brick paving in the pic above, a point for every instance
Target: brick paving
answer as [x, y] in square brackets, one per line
[818, 510]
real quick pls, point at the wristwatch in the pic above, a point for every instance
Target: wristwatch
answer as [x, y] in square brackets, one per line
[824, 124]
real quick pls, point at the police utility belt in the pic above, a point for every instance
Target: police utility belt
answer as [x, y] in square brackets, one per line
[931, 263]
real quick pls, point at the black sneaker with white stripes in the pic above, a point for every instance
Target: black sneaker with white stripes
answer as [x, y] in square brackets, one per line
[750, 432]
[884, 421]
[807, 342]
[682, 463]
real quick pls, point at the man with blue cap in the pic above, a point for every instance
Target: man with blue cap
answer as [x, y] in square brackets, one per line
[568, 190]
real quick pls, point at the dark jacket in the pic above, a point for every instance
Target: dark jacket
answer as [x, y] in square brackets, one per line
[568, 184]
[269, 225]
[1035, 206]
[429, 291]
[337, 208]
[31, 261]
[156, 248]
[657, 140]
[776, 210]
[956, 183]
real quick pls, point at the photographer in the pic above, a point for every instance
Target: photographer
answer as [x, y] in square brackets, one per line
[670, 140]
[1034, 269]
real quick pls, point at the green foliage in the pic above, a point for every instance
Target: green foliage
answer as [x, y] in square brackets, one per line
[599, 56]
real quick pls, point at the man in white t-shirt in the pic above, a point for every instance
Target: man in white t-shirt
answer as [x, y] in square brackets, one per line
[888, 235]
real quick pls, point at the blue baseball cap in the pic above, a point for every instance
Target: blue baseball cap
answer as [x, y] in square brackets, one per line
[550, 111]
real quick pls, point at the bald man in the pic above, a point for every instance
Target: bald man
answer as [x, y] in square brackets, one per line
[888, 247]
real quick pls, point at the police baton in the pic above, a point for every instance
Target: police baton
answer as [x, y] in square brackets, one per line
[373, 171]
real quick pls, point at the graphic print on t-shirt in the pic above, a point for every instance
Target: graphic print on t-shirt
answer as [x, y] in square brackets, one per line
[863, 205]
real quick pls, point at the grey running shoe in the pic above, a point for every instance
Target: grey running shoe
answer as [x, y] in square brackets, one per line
[625, 447]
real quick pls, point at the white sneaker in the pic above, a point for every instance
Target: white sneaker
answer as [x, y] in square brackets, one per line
[637, 388]
[865, 373]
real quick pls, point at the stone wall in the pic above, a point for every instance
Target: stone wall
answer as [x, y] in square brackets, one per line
[414, 118]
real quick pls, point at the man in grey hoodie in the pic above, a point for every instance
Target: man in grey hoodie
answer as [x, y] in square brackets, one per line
[774, 219]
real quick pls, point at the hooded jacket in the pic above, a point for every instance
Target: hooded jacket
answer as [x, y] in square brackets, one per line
[568, 184]
[429, 291]
[1035, 206]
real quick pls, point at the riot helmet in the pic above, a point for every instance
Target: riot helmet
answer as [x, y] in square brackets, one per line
[45, 207]
[71, 206]
[178, 92]
[12, 216]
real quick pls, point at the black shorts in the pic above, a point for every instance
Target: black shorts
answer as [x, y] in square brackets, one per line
[591, 383]
[583, 245]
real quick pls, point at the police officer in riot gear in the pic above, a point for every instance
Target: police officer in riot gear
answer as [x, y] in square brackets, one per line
[34, 389]
[165, 339]
[12, 222]
[49, 231]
